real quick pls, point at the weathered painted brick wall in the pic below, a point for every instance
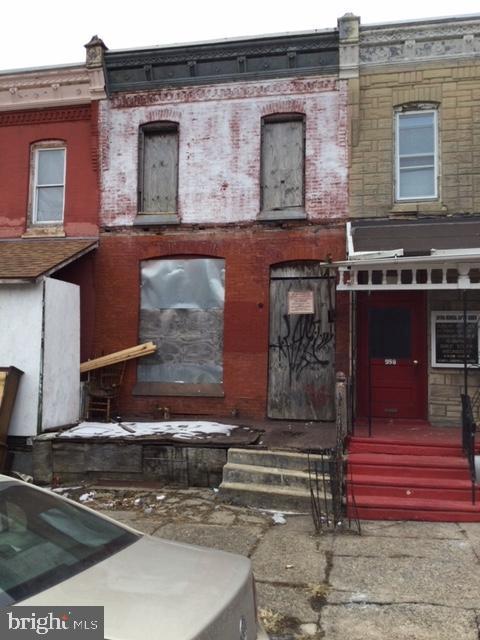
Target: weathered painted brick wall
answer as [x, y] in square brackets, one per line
[456, 88]
[446, 384]
[219, 153]
[249, 254]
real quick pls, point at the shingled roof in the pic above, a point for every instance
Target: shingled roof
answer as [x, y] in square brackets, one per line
[24, 259]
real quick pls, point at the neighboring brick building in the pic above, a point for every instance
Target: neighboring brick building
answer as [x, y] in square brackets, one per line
[48, 227]
[414, 179]
[224, 189]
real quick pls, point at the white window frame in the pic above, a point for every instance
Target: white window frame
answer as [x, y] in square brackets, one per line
[406, 113]
[37, 149]
[454, 316]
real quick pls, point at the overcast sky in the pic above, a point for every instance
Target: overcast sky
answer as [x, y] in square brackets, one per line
[50, 32]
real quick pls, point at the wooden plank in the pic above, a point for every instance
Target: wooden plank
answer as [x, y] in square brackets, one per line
[118, 356]
[160, 172]
[282, 165]
[3, 375]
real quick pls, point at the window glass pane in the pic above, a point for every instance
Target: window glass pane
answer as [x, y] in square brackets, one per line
[51, 163]
[416, 133]
[417, 183]
[44, 541]
[49, 204]
[418, 161]
[182, 304]
[390, 333]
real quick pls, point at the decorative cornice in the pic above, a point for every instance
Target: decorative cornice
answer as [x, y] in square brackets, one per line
[52, 87]
[225, 92]
[12, 118]
[240, 60]
[420, 41]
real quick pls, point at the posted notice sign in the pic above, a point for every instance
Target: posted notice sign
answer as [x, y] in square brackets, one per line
[300, 302]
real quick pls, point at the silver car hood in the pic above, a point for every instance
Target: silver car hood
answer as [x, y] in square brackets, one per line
[157, 589]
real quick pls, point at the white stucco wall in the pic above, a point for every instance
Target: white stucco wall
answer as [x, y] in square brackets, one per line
[219, 147]
[20, 346]
[61, 368]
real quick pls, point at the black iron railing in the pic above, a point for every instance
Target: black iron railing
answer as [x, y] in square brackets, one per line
[468, 438]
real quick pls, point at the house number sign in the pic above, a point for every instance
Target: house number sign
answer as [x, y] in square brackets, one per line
[390, 361]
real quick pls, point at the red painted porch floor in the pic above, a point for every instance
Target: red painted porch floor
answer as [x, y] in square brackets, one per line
[409, 470]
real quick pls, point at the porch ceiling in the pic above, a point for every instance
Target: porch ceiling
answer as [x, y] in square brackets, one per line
[26, 260]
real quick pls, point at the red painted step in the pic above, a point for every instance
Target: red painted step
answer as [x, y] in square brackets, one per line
[382, 508]
[458, 473]
[403, 481]
[401, 448]
[418, 480]
[457, 494]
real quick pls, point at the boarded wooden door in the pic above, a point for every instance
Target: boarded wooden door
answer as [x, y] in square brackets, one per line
[302, 346]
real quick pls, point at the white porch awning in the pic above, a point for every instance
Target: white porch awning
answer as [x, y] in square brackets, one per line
[383, 267]
[432, 272]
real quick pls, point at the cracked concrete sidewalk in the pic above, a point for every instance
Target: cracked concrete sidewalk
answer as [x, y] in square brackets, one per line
[397, 580]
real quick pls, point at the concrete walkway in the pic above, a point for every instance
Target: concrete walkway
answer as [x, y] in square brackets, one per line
[396, 581]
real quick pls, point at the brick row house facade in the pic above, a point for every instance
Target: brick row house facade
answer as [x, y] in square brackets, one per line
[48, 230]
[223, 195]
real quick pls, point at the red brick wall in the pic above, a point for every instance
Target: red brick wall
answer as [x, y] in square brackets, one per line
[249, 253]
[77, 126]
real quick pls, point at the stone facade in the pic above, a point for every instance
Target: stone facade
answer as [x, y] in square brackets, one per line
[431, 64]
[435, 62]
[446, 385]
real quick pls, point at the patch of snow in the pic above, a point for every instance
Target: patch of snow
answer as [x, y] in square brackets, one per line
[64, 489]
[285, 513]
[184, 430]
[161, 497]
[137, 501]
[87, 497]
[279, 518]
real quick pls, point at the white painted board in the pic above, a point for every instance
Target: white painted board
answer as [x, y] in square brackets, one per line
[61, 366]
[20, 346]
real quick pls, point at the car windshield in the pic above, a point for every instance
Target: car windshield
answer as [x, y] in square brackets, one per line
[45, 540]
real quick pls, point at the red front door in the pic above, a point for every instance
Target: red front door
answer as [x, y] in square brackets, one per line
[392, 355]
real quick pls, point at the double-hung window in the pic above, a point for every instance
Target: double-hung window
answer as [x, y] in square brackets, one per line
[416, 155]
[48, 184]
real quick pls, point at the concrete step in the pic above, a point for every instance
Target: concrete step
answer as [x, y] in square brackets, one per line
[278, 459]
[272, 476]
[265, 496]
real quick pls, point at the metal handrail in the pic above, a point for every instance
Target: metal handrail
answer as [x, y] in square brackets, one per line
[468, 438]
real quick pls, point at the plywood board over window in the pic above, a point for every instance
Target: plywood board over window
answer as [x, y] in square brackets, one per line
[158, 171]
[182, 302]
[283, 166]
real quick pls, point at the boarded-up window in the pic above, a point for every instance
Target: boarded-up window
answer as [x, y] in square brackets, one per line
[182, 312]
[283, 154]
[158, 168]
